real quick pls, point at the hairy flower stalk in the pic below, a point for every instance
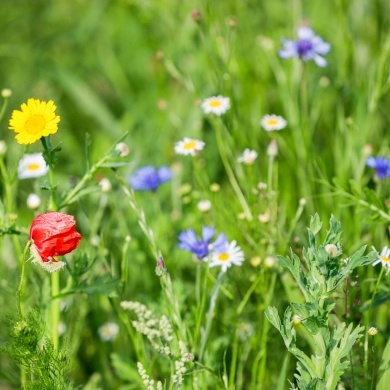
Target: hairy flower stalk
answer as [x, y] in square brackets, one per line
[332, 344]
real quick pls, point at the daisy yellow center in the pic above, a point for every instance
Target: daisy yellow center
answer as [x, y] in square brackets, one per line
[223, 257]
[385, 259]
[35, 123]
[272, 122]
[33, 167]
[189, 145]
[215, 103]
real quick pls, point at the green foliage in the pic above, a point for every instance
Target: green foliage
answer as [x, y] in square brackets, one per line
[45, 367]
[318, 279]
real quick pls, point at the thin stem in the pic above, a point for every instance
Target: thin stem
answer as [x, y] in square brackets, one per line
[368, 319]
[22, 273]
[210, 314]
[229, 171]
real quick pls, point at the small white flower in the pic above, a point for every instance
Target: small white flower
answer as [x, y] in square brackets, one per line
[273, 122]
[270, 261]
[108, 331]
[189, 146]
[231, 254]
[105, 185]
[204, 205]
[248, 157]
[33, 201]
[384, 258]
[373, 331]
[217, 105]
[31, 166]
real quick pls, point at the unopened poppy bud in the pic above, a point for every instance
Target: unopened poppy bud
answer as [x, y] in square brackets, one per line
[196, 15]
[33, 201]
[122, 148]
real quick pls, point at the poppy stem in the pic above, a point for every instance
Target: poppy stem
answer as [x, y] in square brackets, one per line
[20, 287]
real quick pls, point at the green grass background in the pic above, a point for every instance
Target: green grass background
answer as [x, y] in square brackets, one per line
[143, 67]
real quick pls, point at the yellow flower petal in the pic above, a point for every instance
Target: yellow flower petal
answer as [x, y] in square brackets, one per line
[36, 119]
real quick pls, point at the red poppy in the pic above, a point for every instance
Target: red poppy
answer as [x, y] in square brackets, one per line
[54, 234]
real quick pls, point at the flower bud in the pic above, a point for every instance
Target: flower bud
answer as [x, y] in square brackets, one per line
[105, 185]
[272, 150]
[196, 15]
[161, 269]
[33, 201]
[6, 93]
[296, 319]
[331, 250]
[122, 148]
[204, 205]
[373, 331]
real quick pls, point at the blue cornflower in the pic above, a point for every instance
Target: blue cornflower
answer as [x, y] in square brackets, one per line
[201, 248]
[308, 47]
[149, 178]
[381, 164]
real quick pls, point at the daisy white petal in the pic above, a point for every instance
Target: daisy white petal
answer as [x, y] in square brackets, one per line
[32, 166]
[273, 122]
[189, 146]
[217, 105]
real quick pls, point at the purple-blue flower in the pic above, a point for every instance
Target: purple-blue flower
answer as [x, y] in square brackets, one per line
[149, 178]
[381, 164]
[201, 247]
[308, 47]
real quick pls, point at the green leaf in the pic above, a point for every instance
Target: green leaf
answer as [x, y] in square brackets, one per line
[384, 369]
[125, 370]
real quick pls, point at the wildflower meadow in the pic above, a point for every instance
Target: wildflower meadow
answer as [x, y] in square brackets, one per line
[195, 195]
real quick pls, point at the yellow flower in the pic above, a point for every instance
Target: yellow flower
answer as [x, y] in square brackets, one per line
[37, 119]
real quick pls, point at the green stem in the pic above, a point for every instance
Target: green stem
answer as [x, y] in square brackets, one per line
[264, 336]
[366, 351]
[3, 108]
[210, 314]
[87, 176]
[229, 171]
[22, 274]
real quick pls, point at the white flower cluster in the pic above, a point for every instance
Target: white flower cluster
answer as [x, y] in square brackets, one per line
[149, 383]
[158, 332]
[180, 368]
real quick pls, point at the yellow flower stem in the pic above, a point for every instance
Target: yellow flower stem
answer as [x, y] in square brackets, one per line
[9, 203]
[229, 170]
[22, 273]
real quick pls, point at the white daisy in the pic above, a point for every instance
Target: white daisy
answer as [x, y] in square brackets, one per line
[248, 157]
[217, 105]
[108, 331]
[384, 258]
[32, 165]
[225, 257]
[273, 122]
[189, 146]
